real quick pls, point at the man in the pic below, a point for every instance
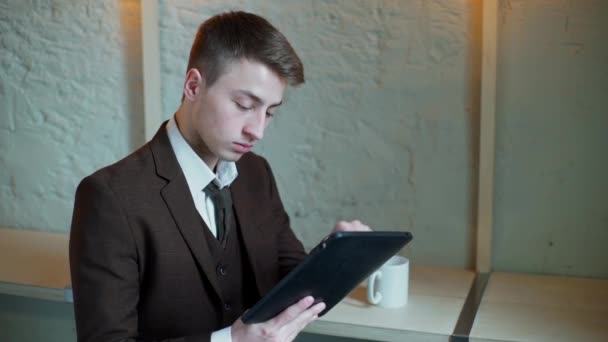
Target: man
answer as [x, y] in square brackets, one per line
[178, 239]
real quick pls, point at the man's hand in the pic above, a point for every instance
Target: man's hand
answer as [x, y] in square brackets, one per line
[283, 328]
[352, 226]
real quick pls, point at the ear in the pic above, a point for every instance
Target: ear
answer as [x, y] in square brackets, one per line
[193, 84]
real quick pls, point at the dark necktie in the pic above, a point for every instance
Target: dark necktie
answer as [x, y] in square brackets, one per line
[222, 201]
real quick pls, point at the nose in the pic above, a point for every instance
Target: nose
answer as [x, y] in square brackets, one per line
[255, 126]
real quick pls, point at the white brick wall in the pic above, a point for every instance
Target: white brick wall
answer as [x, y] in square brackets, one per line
[69, 91]
[552, 141]
[384, 129]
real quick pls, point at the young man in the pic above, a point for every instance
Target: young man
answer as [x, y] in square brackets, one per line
[177, 240]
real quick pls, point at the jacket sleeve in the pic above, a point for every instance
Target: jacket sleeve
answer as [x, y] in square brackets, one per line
[104, 267]
[290, 250]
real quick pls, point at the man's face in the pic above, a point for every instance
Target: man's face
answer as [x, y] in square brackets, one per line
[230, 117]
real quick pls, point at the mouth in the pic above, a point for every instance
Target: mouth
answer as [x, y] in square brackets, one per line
[242, 147]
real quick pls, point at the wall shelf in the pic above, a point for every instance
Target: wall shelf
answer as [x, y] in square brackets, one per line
[35, 264]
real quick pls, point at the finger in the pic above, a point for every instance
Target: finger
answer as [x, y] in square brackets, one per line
[292, 330]
[300, 322]
[357, 225]
[341, 226]
[364, 228]
[296, 332]
[354, 226]
[293, 311]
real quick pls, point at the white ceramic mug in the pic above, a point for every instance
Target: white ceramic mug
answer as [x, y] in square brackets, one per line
[388, 286]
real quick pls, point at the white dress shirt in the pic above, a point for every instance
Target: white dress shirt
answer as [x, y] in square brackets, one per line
[198, 176]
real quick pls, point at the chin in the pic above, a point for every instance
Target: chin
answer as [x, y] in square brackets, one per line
[231, 156]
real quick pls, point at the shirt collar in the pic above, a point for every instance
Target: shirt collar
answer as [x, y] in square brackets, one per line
[198, 174]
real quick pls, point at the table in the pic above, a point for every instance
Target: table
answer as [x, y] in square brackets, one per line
[34, 264]
[436, 299]
[514, 307]
[524, 307]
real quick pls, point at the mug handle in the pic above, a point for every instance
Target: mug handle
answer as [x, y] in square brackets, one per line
[373, 296]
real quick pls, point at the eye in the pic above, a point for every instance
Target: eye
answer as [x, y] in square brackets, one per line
[241, 107]
[269, 115]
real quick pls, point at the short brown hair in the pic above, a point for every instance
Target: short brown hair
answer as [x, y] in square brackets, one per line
[231, 36]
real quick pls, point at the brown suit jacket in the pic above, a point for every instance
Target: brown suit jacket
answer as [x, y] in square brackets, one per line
[140, 264]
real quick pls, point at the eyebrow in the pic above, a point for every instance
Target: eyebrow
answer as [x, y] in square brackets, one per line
[256, 98]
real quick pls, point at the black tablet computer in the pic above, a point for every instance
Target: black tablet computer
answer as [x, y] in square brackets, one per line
[331, 270]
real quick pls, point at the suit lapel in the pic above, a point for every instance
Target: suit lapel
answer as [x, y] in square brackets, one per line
[179, 202]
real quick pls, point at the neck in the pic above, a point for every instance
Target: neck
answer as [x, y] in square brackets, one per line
[184, 121]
